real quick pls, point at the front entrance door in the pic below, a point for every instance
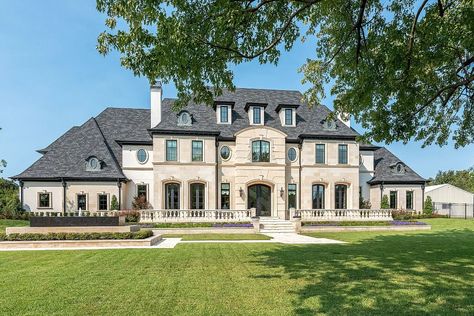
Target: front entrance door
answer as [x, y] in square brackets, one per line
[259, 197]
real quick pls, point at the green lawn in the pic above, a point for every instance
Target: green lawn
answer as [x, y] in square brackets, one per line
[4, 223]
[218, 236]
[417, 273]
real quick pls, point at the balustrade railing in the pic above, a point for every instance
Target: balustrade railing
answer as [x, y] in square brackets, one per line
[174, 216]
[343, 215]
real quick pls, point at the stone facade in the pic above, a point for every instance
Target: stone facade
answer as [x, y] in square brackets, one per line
[142, 166]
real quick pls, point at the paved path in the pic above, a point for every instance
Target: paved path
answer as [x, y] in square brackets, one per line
[295, 239]
[169, 243]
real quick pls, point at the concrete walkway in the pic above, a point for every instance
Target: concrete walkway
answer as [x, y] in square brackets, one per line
[169, 243]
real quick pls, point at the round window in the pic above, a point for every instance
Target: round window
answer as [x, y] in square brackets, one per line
[142, 155]
[93, 163]
[292, 154]
[225, 152]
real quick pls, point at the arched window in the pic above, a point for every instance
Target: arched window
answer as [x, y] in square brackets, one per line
[260, 151]
[341, 196]
[196, 196]
[318, 196]
[172, 196]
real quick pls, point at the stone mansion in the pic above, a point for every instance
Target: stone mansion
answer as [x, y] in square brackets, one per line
[254, 148]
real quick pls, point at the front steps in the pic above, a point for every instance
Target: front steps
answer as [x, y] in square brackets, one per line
[275, 225]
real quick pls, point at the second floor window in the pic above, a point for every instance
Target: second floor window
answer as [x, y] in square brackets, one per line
[260, 151]
[257, 115]
[288, 117]
[171, 150]
[197, 150]
[320, 153]
[343, 154]
[224, 114]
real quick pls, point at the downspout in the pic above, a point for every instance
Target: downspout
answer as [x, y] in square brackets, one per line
[217, 176]
[21, 195]
[119, 185]
[422, 197]
[64, 194]
[381, 194]
[299, 175]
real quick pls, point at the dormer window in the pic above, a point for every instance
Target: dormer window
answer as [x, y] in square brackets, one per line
[288, 117]
[185, 119]
[329, 125]
[399, 168]
[93, 164]
[224, 113]
[257, 115]
[287, 113]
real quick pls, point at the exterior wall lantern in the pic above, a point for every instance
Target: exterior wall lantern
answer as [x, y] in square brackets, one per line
[282, 192]
[241, 192]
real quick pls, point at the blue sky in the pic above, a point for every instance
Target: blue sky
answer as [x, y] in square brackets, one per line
[52, 78]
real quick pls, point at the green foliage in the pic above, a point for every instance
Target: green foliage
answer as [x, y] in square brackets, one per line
[131, 216]
[428, 206]
[142, 234]
[463, 179]
[401, 215]
[384, 204]
[402, 68]
[347, 223]
[140, 203]
[9, 201]
[114, 204]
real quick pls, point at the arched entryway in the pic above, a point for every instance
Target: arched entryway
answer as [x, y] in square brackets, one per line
[260, 198]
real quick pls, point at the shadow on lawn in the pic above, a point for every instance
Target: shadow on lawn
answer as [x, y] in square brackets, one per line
[393, 274]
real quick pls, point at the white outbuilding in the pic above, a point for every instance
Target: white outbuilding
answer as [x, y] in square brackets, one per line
[451, 200]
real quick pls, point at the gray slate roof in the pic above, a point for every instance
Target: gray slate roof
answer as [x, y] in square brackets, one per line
[308, 120]
[102, 136]
[384, 161]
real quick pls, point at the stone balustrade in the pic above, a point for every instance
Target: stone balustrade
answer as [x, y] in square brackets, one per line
[343, 215]
[176, 216]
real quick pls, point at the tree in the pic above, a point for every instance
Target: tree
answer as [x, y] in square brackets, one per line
[463, 179]
[404, 69]
[428, 206]
[9, 202]
[384, 204]
[114, 205]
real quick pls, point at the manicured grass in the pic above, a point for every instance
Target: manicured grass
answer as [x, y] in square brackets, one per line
[218, 236]
[4, 223]
[376, 273]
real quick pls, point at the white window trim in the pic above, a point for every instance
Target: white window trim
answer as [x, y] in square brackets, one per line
[108, 201]
[147, 190]
[229, 114]
[87, 201]
[177, 150]
[146, 153]
[283, 117]
[50, 201]
[262, 115]
[203, 150]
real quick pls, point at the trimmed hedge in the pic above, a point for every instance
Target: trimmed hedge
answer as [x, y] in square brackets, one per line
[77, 236]
[347, 223]
[193, 225]
[402, 215]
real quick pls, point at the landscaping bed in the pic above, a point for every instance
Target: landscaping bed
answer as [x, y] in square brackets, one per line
[76, 236]
[362, 223]
[199, 225]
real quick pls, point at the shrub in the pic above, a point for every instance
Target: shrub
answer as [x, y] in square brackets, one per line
[193, 225]
[114, 204]
[384, 204]
[428, 206]
[140, 203]
[402, 215]
[77, 236]
[131, 216]
[364, 204]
